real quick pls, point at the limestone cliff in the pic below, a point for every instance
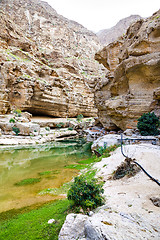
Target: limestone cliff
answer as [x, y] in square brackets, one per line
[133, 84]
[47, 63]
[107, 36]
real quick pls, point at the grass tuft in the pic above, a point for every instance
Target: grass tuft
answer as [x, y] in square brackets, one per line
[28, 181]
[49, 172]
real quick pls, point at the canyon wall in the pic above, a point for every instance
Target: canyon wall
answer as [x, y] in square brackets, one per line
[47, 64]
[132, 86]
[109, 35]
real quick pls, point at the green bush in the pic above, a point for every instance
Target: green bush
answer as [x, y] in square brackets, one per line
[18, 112]
[86, 193]
[105, 151]
[70, 128]
[12, 120]
[148, 124]
[79, 117]
[59, 125]
[101, 149]
[16, 130]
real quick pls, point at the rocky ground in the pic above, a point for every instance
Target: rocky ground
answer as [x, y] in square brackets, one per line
[131, 209]
[25, 129]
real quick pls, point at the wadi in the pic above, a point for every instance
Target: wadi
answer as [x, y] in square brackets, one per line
[79, 126]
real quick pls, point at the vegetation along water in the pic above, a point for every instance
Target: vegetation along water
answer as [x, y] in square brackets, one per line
[30, 177]
[25, 171]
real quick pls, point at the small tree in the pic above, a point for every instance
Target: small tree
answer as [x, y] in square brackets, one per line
[86, 193]
[148, 124]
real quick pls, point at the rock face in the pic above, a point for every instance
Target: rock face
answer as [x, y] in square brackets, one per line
[108, 224]
[133, 84]
[47, 62]
[107, 36]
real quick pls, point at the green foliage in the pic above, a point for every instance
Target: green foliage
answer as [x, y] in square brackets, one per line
[53, 172]
[16, 130]
[86, 193]
[12, 120]
[101, 149]
[76, 166]
[34, 224]
[45, 173]
[56, 191]
[85, 163]
[28, 181]
[59, 125]
[90, 160]
[89, 175]
[79, 117]
[47, 128]
[148, 124]
[70, 128]
[105, 151]
[17, 111]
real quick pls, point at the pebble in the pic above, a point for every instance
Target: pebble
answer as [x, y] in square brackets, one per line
[50, 221]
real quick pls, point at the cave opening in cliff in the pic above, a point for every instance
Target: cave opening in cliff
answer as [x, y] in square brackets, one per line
[36, 113]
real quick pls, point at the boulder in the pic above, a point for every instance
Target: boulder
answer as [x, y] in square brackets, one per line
[128, 132]
[73, 227]
[104, 224]
[11, 123]
[27, 129]
[6, 127]
[27, 115]
[106, 141]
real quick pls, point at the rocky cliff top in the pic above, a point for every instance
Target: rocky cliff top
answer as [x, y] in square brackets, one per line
[107, 36]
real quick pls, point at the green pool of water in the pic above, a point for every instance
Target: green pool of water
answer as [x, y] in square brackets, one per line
[44, 162]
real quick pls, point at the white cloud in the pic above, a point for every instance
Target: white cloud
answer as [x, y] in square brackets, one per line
[99, 14]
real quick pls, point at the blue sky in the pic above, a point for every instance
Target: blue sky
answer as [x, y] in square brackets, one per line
[101, 14]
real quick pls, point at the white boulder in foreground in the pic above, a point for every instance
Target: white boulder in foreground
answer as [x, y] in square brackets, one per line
[128, 213]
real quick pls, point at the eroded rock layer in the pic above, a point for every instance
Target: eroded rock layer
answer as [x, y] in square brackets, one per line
[133, 84]
[47, 62]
